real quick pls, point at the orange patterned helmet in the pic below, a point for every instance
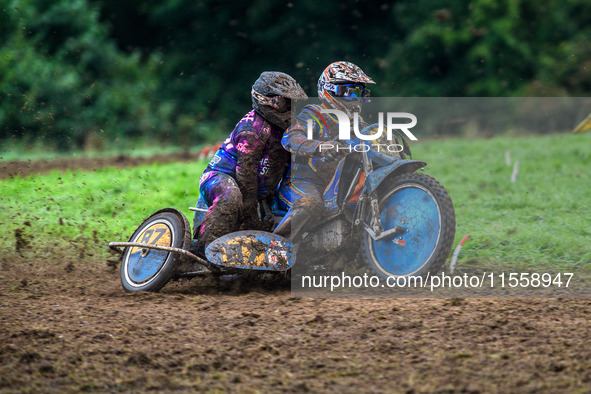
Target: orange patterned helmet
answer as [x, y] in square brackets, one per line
[342, 85]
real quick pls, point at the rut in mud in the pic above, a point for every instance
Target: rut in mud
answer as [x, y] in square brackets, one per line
[10, 169]
[68, 325]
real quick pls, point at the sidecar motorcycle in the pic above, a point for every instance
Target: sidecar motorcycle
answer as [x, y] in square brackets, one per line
[403, 222]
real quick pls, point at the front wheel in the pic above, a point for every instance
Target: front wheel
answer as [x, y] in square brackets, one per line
[145, 269]
[423, 211]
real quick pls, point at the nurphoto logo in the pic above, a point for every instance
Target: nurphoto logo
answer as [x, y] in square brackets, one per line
[345, 131]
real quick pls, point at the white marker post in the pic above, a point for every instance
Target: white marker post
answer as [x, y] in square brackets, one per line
[454, 258]
[515, 171]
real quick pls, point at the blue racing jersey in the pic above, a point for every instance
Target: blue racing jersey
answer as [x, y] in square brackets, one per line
[325, 127]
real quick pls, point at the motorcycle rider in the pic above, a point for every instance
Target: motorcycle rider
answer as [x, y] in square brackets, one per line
[250, 163]
[341, 86]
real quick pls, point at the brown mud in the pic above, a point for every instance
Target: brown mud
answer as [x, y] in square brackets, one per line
[68, 326]
[10, 169]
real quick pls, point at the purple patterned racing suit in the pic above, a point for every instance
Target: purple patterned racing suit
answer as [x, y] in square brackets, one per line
[247, 168]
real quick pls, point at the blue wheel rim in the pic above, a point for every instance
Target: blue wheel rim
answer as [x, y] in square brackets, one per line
[415, 209]
[143, 265]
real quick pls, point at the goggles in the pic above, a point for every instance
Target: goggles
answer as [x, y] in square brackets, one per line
[347, 90]
[280, 103]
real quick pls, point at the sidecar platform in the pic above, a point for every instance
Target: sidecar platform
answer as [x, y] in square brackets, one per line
[251, 250]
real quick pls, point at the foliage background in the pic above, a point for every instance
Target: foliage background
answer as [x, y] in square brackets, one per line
[90, 73]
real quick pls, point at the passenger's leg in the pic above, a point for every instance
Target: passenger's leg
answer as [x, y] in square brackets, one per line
[225, 208]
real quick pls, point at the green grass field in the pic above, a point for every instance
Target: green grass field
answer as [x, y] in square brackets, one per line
[543, 219]
[40, 151]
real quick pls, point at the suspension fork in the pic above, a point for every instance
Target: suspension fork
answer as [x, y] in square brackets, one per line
[375, 224]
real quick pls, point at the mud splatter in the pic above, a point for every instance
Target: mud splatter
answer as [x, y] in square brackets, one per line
[21, 241]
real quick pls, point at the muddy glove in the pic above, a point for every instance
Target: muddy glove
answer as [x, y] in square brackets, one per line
[335, 149]
[326, 167]
[250, 218]
[252, 221]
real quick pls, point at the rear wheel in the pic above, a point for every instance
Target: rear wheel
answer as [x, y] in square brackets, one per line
[145, 269]
[423, 211]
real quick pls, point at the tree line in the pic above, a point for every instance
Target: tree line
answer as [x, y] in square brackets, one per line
[85, 73]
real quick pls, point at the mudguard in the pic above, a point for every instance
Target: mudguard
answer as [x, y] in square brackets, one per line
[378, 176]
[251, 250]
[187, 228]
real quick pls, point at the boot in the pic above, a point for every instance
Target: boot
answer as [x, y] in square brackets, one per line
[198, 248]
[288, 227]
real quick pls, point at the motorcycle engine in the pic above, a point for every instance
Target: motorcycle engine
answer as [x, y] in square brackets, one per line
[328, 237]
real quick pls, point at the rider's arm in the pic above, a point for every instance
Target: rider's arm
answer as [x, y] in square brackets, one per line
[249, 146]
[295, 141]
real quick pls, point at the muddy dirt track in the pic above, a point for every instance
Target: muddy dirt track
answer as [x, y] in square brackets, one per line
[67, 326]
[10, 169]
